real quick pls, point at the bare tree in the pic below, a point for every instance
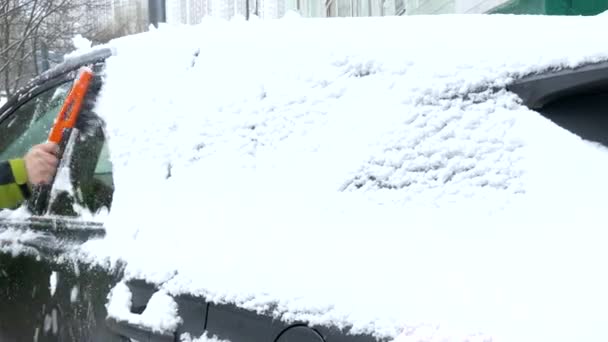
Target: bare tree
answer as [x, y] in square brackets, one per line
[33, 31]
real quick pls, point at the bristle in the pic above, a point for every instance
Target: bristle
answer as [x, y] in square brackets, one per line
[88, 121]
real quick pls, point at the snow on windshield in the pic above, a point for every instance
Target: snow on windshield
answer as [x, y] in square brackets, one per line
[370, 173]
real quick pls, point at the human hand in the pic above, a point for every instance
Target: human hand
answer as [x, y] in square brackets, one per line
[41, 163]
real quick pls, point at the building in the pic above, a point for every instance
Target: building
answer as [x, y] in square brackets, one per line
[115, 18]
[133, 14]
[193, 11]
[186, 11]
[549, 7]
[355, 8]
[270, 9]
[343, 8]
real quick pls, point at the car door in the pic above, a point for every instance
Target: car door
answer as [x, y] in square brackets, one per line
[57, 211]
[41, 299]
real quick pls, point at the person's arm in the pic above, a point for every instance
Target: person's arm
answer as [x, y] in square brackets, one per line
[14, 187]
[16, 176]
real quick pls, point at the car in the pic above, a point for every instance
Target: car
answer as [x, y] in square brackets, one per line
[48, 296]
[55, 313]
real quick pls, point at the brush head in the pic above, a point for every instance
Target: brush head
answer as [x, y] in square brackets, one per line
[88, 122]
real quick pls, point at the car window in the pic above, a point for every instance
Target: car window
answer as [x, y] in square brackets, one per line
[103, 169]
[30, 124]
[90, 168]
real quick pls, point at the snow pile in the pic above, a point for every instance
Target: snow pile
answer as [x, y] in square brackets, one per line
[81, 46]
[16, 241]
[119, 301]
[160, 314]
[81, 43]
[204, 338]
[347, 177]
[19, 214]
[19, 241]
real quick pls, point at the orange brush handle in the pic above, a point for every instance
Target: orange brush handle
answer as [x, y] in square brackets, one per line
[71, 107]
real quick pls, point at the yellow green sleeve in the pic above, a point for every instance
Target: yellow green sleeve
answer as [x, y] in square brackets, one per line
[13, 183]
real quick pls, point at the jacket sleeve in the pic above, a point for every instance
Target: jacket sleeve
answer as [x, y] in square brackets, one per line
[13, 183]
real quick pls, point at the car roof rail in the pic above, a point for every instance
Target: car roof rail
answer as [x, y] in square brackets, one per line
[71, 64]
[540, 89]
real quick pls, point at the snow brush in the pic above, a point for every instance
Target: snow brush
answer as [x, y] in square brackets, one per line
[75, 115]
[70, 111]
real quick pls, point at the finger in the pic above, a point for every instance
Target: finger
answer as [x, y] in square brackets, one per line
[45, 159]
[50, 160]
[50, 147]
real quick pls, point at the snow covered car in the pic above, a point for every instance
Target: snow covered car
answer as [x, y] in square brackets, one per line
[149, 295]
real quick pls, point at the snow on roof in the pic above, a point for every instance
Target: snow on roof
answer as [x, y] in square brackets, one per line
[368, 172]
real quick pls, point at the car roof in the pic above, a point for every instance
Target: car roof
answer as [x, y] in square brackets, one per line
[540, 89]
[535, 90]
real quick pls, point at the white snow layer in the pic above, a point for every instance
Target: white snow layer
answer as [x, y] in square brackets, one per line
[18, 242]
[368, 172]
[186, 337]
[160, 314]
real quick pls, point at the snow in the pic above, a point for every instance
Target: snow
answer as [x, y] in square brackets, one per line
[15, 241]
[63, 180]
[74, 294]
[19, 214]
[119, 301]
[368, 172]
[53, 283]
[204, 338]
[81, 43]
[160, 314]
[355, 184]
[81, 46]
